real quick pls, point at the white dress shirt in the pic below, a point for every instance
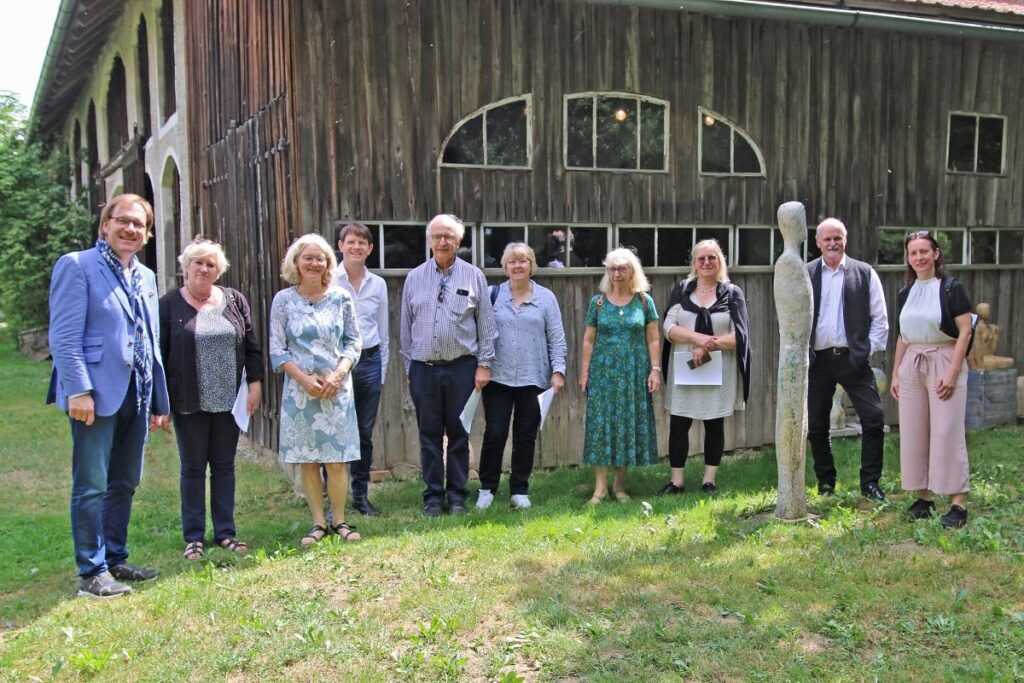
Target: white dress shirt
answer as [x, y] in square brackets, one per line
[831, 329]
[371, 311]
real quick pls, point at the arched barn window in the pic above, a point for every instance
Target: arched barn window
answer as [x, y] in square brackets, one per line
[495, 136]
[725, 148]
[615, 132]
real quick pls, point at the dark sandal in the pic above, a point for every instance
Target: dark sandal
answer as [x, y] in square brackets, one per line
[234, 545]
[347, 533]
[193, 551]
[312, 538]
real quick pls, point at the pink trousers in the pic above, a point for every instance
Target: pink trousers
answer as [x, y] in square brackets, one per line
[933, 444]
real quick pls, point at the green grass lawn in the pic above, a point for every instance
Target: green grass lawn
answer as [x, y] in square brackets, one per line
[655, 589]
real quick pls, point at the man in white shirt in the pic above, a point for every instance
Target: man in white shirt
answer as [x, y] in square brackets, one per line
[850, 323]
[355, 243]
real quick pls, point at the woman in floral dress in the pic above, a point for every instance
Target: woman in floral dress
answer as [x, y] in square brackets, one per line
[618, 374]
[314, 340]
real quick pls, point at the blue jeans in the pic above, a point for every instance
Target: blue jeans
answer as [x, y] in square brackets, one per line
[106, 467]
[439, 393]
[366, 387]
[207, 440]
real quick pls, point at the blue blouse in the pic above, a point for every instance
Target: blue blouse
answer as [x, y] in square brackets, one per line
[531, 341]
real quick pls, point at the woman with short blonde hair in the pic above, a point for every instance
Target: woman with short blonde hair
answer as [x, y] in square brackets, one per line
[289, 264]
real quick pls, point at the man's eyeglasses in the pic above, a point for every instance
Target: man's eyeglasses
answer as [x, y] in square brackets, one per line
[444, 238]
[125, 221]
[441, 287]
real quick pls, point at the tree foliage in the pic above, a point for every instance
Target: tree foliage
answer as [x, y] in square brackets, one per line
[39, 220]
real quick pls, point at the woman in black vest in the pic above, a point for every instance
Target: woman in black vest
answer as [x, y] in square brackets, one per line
[207, 339]
[929, 379]
[706, 317]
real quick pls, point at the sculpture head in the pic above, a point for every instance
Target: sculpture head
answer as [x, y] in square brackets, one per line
[983, 312]
[793, 224]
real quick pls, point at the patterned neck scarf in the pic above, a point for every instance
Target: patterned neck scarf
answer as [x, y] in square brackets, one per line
[142, 357]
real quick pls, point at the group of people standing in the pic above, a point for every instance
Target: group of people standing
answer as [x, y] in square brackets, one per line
[126, 361]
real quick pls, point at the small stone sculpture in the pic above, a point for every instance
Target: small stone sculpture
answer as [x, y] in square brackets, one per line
[986, 338]
[795, 306]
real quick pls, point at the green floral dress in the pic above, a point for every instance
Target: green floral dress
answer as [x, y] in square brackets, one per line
[620, 411]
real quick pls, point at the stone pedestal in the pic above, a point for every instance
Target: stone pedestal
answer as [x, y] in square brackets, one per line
[991, 398]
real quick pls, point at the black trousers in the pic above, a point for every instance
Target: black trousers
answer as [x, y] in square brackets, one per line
[679, 440]
[500, 402]
[828, 369]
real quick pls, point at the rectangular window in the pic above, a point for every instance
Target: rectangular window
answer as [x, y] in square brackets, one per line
[1011, 247]
[402, 245]
[983, 246]
[615, 131]
[976, 143]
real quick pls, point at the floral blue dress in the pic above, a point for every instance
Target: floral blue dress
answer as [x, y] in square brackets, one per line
[620, 427]
[315, 337]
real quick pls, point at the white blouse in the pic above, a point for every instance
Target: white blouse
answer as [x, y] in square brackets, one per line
[919, 319]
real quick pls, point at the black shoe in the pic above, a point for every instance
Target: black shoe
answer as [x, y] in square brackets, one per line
[921, 509]
[826, 488]
[102, 586]
[457, 509]
[362, 504]
[129, 572]
[671, 489]
[432, 510]
[709, 488]
[872, 492]
[955, 518]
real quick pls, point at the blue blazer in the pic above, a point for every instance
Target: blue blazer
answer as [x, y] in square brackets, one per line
[92, 334]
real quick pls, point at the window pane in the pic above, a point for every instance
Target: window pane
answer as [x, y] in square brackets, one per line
[1011, 246]
[755, 247]
[674, 246]
[952, 244]
[890, 248]
[812, 250]
[506, 134]
[467, 145]
[589, 246]
[548, 244]
[373, 260]
[744, 159]
[640, 239]
[961, 143]
[714, 148]
[652, 136]
[983, 246]
[404, 246]
[990, 145]
[495, 239]
[579, 132]
[616, 132]
[720, 234]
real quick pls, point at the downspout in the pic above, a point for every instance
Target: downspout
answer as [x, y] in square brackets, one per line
[61, 24]
[831, 16]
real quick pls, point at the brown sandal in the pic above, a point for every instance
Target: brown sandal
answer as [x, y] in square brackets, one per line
[347, 533]
[234, 545]
[315, 535]
[193, 551]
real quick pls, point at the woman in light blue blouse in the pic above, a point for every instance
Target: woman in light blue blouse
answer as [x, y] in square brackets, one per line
[529, 358]
[314, 340]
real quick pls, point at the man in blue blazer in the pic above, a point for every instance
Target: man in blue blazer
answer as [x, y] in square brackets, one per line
[109, 378]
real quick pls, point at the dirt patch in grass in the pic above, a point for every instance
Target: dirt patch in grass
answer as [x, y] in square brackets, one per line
[911, 548]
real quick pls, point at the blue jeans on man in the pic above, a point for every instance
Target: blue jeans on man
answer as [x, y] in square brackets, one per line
[366, 389]
[439, 393]
[106, 468]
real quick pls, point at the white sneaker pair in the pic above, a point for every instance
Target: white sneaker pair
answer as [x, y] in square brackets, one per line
[486, 497]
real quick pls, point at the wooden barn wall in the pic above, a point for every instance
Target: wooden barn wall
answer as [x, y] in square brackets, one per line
[853, 123]
[239, 71]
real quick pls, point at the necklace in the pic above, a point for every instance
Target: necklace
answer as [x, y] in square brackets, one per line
[314, 297]
[710, 289]
[200, 299]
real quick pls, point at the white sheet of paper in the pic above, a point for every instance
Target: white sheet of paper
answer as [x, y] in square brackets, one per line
[709, 374]
[470, 410]
[238, 411]
[544, 399]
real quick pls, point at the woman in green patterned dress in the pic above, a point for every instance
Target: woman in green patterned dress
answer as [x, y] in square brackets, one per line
[619, 373]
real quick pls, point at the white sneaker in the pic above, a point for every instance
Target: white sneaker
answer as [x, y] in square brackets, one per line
[520, 501]
[484, 500]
